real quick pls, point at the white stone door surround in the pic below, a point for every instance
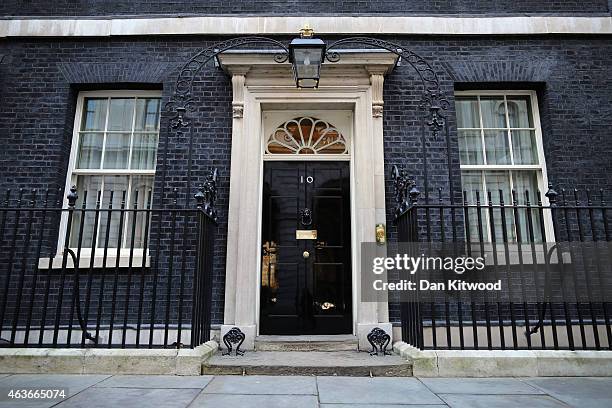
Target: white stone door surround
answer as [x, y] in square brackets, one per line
[259, 85]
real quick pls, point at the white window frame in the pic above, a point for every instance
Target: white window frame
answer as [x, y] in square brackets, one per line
[540, 168]
[73, 173]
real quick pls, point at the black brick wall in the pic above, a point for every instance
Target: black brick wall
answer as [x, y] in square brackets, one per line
[173, 7]
[41, 78]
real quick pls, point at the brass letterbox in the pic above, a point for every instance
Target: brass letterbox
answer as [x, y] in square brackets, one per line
[305, 234]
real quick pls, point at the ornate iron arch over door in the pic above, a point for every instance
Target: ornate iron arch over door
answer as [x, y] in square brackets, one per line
[433, 102]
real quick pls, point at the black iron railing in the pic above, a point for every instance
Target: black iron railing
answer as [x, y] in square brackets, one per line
[105, 272]
[552, 236]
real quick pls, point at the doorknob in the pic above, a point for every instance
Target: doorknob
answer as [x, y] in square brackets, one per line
[306, 254]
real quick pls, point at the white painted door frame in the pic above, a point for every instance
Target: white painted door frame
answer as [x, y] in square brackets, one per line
[346, 126]
[252, 97]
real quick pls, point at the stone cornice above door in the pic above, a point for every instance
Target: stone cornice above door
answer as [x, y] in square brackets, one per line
[354, 68]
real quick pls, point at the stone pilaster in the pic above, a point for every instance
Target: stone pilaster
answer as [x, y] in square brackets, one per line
[238, 84]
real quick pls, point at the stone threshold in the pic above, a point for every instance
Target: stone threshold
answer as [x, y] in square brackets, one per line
[106, 361]
[507, 363]
[308, 363]
[307, 343]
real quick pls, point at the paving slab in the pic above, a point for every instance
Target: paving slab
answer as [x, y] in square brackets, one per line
[500, 401]
[254, 401]
[583, 392]
[71, 383]
[262, 385]
[343, 390]
[76, 381]
[28, 403]
[479, 386]
[380, 406]
[131, 397]
[155, 381]
[93, 391]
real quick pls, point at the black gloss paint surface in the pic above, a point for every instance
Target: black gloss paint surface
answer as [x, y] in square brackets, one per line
[302, 295]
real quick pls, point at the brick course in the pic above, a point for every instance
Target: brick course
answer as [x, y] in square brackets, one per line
[173, 7]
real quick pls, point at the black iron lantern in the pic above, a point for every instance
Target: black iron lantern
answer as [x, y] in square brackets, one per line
[306, 56]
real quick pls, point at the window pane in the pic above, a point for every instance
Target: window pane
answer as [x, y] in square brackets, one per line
[87, 190]
[116, 150]
[147, 114]
[472, 186]
[94, 114]
[90, 150]
[524, 147]
[140, 195]
[519, 111]
[526, 185]
[471, 182]
[493, 111]
[143, 151]
[121, 111]
[498, 184]
[470, 147]
[114, 188]
[496, 181]
[496, 146]
[525, 180]
[467, 112]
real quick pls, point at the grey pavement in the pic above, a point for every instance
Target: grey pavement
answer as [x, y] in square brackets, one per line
[135, 391]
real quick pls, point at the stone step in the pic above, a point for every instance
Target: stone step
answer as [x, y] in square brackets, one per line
[306, 343]
[341, 363]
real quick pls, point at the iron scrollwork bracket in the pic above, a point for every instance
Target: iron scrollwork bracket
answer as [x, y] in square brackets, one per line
[379, 339]
[207, 194]
[179, 119]
[181, 103]
[432, 100]
[404, 189]
[233, 336]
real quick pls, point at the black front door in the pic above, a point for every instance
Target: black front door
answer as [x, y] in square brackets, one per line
[306, 281]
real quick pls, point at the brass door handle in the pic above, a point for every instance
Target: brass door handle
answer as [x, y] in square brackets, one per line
[306, 254]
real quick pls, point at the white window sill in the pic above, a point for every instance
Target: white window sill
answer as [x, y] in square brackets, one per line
[98, 262]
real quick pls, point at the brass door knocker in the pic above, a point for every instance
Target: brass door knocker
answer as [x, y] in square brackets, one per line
[306, 216]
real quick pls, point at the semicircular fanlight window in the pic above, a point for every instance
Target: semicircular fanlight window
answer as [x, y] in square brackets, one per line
[306, 135]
